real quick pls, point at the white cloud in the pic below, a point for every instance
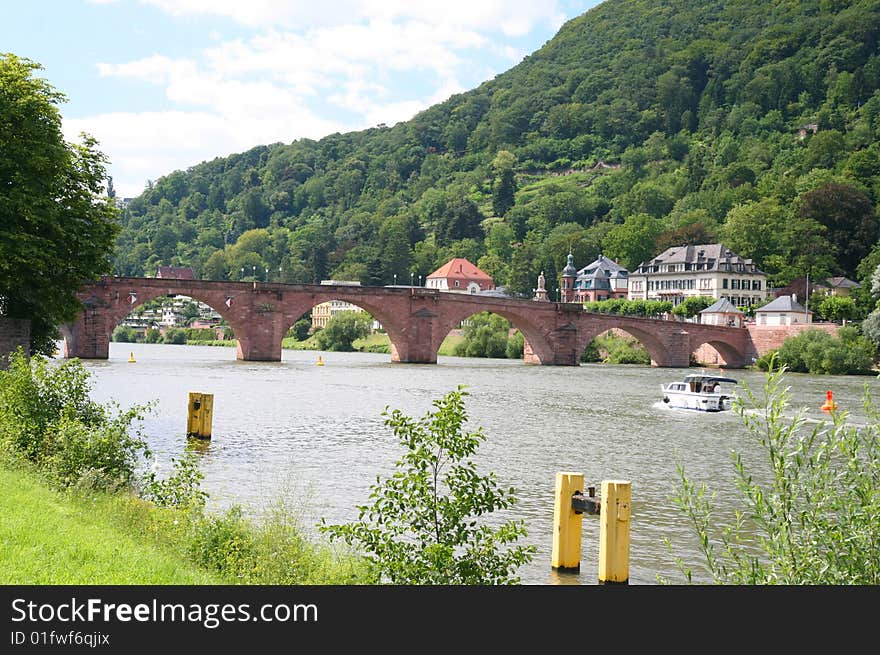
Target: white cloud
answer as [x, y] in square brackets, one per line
[511, 17]
[296, 65]
[149, 145]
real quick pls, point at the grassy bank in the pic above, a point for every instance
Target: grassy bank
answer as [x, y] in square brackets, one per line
[54, 537]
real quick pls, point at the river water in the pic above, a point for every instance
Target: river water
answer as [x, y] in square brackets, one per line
[313, 437]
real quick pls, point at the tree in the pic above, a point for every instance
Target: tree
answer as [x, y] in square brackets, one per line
[849, 216]
[692, 306]
[632, 242]
[342, 329]
[813, 517]
[57, 225]
[485, 335]
[837, 308]
[504, 186]
[423, 524]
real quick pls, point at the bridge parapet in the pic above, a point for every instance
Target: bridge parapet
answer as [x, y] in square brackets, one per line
[417, 319]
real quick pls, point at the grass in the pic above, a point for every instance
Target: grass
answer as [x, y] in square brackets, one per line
[51, 537]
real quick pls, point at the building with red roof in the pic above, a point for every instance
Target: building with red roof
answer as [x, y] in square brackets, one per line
[460, 275]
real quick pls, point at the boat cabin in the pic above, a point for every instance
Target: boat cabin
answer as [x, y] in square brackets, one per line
[699, 383]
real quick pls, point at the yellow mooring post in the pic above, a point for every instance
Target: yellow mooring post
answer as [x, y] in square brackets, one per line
[614, 532]
[200, 412]
[567, 523]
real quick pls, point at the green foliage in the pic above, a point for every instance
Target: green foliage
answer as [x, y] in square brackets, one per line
[692, 305]
[57, 226]
[837, 308]
[124, 334]
[175, 336]
[300, 329]
[47, 417]
[817, 352]
[811, 515]
[602, 141]
[486, 335]
[624, 307]
[181, 489]
[610, 348]
[342, 329]
[423, 525]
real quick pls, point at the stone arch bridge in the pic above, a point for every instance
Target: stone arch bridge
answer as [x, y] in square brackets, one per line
[417, 319]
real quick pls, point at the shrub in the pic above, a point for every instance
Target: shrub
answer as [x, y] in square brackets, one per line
[422, 526]
[47, 417]
[817, 518]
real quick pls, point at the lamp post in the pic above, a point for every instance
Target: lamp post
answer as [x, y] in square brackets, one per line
[395, 279]
[411, 278]
[267, 274]
[280, 278]
[420, 280]
[241, 277]
[558, 297]
[254, 267]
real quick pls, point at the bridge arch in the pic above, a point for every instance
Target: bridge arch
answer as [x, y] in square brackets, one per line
[656, 348]
[533, 333]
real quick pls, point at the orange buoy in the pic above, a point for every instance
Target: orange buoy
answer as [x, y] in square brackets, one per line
[829, 404]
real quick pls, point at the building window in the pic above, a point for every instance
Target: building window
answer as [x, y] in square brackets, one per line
[456, 284]
[724, 283]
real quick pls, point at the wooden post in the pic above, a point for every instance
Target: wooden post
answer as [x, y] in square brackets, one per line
[614, 532]
[567, 523]
[199, 415]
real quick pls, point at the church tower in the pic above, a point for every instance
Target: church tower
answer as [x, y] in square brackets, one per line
[569, 274]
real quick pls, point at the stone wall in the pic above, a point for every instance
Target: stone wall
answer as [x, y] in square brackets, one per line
[14, 332]
[764, 338]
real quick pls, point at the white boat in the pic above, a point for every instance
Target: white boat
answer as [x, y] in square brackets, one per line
[700, 391]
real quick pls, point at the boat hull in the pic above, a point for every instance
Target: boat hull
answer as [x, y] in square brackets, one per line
[701, 402]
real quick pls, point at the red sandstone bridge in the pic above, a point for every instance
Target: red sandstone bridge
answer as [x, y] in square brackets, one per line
[417, 319]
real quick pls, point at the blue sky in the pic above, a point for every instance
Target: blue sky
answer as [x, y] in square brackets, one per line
[166, 84]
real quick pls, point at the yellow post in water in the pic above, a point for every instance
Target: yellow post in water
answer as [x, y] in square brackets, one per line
[199, 415]
[614, 532]
[567, 523]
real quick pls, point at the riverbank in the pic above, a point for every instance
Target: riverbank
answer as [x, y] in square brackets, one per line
[53, 537]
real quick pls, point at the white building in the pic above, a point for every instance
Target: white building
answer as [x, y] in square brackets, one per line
[785, 310]
[711, 270]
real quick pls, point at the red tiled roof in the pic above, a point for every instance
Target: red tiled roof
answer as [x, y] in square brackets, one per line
[460, 268]
[176, 272]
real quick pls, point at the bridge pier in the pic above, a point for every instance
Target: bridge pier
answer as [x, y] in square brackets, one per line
[678, 351]
[419, 341]
[88, 337]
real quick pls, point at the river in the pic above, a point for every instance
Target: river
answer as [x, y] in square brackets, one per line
[313, 437]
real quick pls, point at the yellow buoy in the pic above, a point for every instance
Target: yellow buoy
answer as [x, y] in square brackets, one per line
[320, 361]
[131, 357]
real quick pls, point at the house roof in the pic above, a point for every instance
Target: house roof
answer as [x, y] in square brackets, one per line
[176, 272]
[713, 255]
[603, 267]
[460, 268]
[841, 282]
[783, 304]
[722, 306]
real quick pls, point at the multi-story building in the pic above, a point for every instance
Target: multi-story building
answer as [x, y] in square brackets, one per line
[703, 270]
[603, 279]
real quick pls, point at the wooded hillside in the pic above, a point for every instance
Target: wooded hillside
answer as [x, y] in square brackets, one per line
[641, 124]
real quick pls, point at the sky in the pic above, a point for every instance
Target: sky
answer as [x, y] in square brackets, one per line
[166, 84]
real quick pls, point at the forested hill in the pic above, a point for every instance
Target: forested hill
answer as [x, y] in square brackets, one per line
[641, 124]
